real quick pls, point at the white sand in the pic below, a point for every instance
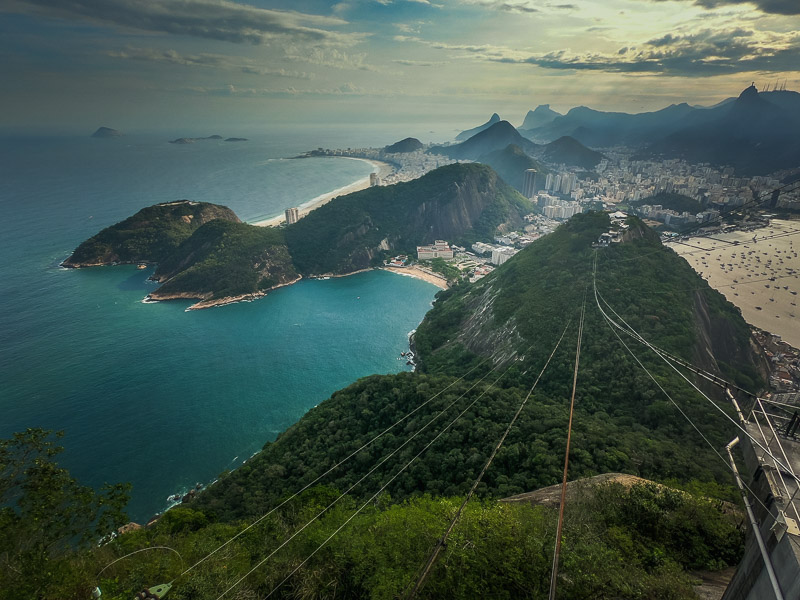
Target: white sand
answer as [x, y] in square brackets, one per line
[745, 280]
[381, 168]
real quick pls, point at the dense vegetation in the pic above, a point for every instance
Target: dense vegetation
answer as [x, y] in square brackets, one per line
[623, 423]
[459, 203]
[224, 259]
[48, 521]
[676, 202]
[150, 235]
[497, 334]
[510, 163]
[632, 543]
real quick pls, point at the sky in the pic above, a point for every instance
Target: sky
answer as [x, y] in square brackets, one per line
[155, 64]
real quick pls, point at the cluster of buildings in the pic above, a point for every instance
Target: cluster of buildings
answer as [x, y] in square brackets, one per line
[553, 207]
[673, 218]
[784, 362]
[622, 179]
[439, 249]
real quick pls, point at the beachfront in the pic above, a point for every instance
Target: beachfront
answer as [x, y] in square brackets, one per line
[381, 168]
[413, 271]
[761, 276]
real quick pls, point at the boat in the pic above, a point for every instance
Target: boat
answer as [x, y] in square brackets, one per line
[141, 266]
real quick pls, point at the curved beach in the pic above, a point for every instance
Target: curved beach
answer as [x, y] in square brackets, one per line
[381, 168]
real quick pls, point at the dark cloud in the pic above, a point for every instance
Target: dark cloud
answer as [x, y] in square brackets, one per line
[701, 54]
[213, 19]
[777, 7]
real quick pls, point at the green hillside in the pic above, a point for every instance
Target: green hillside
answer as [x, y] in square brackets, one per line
[225, 259]
[459, 203]
[148, 236]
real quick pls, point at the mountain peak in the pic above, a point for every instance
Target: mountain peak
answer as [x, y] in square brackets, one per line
[495, 118]
[541, 115]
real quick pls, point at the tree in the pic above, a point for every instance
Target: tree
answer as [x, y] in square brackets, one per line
[46, 516]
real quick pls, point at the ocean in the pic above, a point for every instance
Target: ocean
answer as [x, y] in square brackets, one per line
[148, 393]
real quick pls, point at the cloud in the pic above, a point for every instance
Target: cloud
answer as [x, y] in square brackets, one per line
[421, 63]
[777, 7]
[700, 54]
[218, 61]
[329, 57]
[212, 19]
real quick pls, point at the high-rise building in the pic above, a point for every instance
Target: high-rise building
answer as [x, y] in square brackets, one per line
[529, 187]
[292, 215]
[374, 179]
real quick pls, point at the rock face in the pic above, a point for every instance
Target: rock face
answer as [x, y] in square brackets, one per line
[542, 115]
[106, 132]
[458, 203]
[149, 236]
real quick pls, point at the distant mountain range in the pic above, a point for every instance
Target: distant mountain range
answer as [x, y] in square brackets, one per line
[757, 133]
[503, 148]
[540, 116]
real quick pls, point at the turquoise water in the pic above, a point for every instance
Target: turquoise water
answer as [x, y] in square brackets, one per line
[149, 393]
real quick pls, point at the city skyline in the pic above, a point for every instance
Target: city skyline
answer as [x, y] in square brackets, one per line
[151, 65]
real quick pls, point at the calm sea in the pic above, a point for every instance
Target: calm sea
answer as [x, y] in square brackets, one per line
[148, 393]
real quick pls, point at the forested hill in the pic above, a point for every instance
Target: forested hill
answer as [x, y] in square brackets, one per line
[622, 422]
[460, 203]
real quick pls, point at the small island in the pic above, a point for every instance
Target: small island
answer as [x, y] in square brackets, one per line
[107, 132]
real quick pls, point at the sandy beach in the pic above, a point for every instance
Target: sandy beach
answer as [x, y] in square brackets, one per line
[381, 168]
[436, 280]
[761, 277]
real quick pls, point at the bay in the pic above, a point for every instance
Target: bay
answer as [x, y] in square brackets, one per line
[148, 393]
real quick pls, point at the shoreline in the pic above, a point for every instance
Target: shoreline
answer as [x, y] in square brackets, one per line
[208, 303]
[381, 168]
[418, 273]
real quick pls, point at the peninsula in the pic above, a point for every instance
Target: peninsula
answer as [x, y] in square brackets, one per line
[205, 253]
